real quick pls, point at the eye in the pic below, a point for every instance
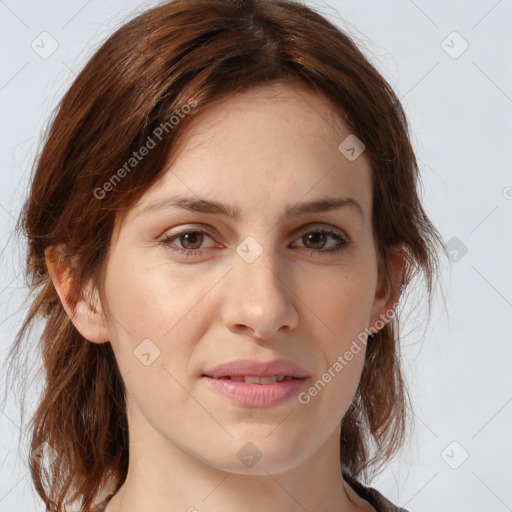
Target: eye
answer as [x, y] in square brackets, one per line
[319, 237]
[192, 238]
[314, 241]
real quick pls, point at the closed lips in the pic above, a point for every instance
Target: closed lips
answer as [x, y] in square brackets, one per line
[247, 369]
[249, 379]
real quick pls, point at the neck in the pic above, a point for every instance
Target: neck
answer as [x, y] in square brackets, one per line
[161, 476]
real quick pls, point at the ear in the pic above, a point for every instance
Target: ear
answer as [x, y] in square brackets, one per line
[386, 297]
[88, 317]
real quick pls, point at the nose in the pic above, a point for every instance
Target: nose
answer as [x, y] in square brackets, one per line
[258, 298]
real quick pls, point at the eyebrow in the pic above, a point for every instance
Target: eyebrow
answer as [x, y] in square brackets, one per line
[197, 204]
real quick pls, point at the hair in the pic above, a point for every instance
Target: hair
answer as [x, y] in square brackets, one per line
[138, 84]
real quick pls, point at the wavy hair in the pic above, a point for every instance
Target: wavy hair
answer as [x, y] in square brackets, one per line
[180, 53]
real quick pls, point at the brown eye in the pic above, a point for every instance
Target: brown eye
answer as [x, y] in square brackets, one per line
[317, 239]
[315, 242]
[187, 242]
[191, 240]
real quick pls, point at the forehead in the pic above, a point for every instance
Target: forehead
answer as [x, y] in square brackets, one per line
[261, 150]
[292, 111]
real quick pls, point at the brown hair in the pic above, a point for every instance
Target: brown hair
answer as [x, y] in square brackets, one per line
[192, 52]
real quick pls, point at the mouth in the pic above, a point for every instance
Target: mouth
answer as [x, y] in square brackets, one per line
[254, 390]
[254, 379]
[253, 371]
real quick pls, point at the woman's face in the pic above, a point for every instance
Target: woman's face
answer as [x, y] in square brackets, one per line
[260, 286]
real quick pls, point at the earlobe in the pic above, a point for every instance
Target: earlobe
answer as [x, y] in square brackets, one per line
[387, 294]
[88, 315]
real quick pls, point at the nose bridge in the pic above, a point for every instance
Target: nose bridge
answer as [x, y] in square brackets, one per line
[257, 294]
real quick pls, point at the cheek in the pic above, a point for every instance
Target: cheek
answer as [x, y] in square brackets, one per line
[339, 308]
[158, 319]
[156, 310]
[339, 303]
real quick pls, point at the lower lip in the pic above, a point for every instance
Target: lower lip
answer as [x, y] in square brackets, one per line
[257, 395]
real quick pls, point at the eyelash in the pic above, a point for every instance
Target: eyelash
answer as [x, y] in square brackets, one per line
[343, 245]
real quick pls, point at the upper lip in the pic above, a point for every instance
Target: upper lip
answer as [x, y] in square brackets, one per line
[252, 367]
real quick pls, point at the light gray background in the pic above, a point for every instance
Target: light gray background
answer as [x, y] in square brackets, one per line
[459, 107]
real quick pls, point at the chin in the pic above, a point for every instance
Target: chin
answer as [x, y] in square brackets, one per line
[259, 456]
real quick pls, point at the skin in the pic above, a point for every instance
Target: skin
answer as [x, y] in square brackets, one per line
[260, 151]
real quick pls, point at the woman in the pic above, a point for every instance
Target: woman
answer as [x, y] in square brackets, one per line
[220, 224]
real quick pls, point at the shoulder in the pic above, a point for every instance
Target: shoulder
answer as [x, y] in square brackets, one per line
[372, 496]
[369, 494]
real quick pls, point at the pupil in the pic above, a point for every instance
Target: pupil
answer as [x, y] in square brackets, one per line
[191, 238]
[315, 235]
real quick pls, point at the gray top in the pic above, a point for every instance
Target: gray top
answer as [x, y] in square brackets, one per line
[369, 494]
